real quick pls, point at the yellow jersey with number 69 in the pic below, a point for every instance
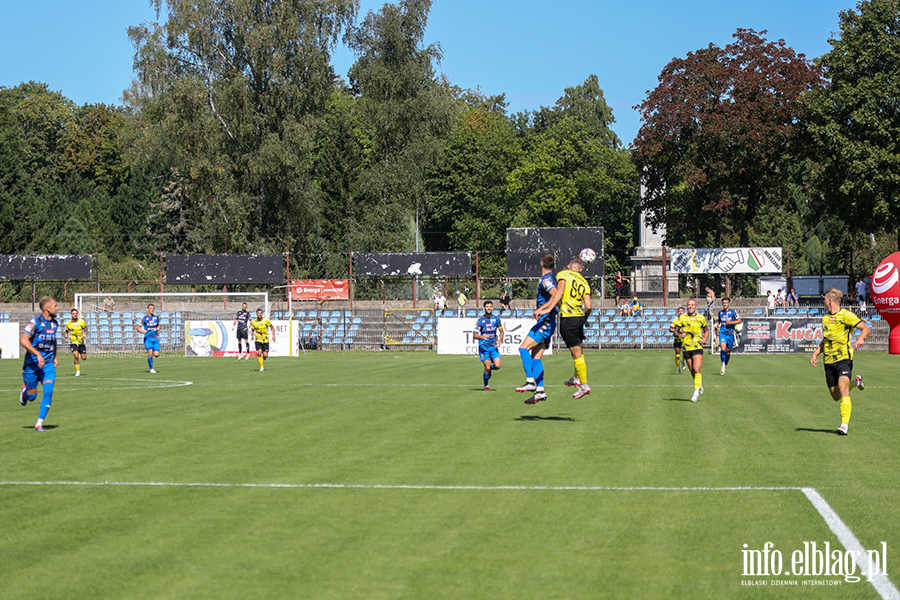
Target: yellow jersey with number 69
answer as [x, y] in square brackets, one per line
[261, 329]
[577, 287]
[836, 332]
[692, 327]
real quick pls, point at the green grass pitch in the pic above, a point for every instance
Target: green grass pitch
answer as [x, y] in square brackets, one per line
[394, 475]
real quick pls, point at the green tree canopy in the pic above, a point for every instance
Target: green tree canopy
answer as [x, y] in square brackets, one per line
[238, 88]
[856, 119]
[407, 112]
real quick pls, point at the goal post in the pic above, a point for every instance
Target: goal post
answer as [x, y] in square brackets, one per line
[113, 318]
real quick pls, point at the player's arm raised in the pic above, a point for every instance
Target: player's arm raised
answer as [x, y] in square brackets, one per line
[554, 299]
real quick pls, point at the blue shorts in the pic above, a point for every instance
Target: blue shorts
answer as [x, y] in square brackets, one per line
[543, 330]
[488, 354]
[727, 339]
[32, 374]
[151, 343]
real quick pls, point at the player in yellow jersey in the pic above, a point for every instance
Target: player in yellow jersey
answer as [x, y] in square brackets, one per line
[837, 328]
[76, 336]
[675, 330]
[695, 333]
[261, 326]
[573, 294]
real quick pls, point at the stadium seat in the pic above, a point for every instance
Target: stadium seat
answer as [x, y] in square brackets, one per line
[471, 313]
[757, 312]
[425, 313]
[610, 313]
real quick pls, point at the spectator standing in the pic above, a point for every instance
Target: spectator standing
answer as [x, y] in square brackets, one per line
[461, 301]
[861, 291]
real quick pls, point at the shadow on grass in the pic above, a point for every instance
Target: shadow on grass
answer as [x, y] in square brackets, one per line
[676, 399]
[540, 418]
[831, 431]
[45, 426]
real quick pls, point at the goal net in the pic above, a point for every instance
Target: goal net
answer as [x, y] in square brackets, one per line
[113, 319]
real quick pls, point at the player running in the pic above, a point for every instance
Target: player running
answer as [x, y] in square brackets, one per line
[728, 318]
[241, 321]
[76, 336]
[695, 331]
[538, 338]
[837, 328]
[39, 341]
[149, 326]
[573, 294]
[261, 327]
[675, 329]
[489, 333]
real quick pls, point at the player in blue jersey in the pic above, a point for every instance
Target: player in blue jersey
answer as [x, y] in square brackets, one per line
[538, 339]
[39, 341]
[489, 333]
[149, 326]
[728, 319]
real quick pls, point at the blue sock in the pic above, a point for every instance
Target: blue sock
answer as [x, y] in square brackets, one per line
[723, 357]
[150, 361]
[47, 400]
[527, 363]
[539, 372]
[727, 357]
[487, 377]
[30, 397]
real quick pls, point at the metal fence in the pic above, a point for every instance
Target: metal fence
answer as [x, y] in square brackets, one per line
[396, 328]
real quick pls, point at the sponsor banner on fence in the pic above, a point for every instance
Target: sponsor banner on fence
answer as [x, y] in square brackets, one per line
[775, 335]
[219, 339]
[454, 336]
[726, 260]
[320, 289]
[9, 340]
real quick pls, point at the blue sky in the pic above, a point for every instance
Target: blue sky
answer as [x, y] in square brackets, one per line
[529, 50]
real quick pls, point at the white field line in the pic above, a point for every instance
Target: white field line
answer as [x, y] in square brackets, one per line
[883, 586]
[98, 385]
[845, 536]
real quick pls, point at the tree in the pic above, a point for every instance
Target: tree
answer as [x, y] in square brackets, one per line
[718, 134]
[407, 113]
[468, 185]
[237, 88]
[855, 120]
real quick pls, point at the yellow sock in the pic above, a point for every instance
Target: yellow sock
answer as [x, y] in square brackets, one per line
[698, 381]
[677, 361]
[581, 369]
[260, 358]
[77, 368]
[845, 409]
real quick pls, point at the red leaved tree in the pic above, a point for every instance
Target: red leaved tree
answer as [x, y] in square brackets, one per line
[717, 134]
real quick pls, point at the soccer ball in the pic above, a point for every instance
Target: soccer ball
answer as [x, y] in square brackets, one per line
[587, 256]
